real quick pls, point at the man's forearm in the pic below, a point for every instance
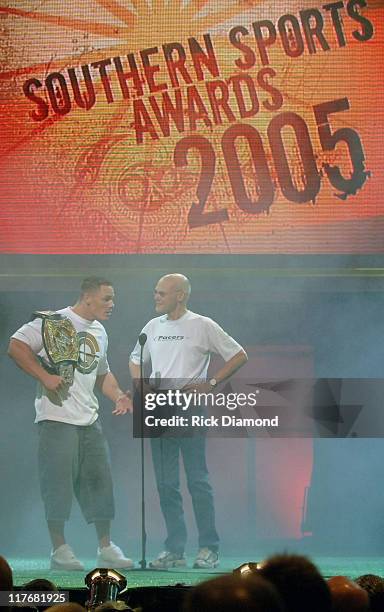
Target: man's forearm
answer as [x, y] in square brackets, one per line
[134, 370]
[109, 386]
[26, 359]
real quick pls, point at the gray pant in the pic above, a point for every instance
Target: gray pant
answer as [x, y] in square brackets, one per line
[74, 459]
[165, 454]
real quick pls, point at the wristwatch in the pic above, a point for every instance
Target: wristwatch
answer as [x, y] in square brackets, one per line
[213, 382]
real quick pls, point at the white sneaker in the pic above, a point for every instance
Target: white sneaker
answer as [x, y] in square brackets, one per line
[168, 559]
[63, 558]
[112, 556]
[206, 559]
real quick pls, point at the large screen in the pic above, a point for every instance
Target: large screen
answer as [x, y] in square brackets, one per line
[175, 126]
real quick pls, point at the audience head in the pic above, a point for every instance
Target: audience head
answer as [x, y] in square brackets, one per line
[40, 584]
[111, 606]
[347, 596]
[374, 586]
[66, 607]
[299, 583]
[231, 593]
[6, 579]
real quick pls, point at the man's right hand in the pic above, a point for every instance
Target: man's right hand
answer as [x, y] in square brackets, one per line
[52, 382]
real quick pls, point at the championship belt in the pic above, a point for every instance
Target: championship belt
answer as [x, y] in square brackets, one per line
[60, 343]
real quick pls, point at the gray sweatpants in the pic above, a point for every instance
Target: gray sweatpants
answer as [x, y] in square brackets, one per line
[74, 459]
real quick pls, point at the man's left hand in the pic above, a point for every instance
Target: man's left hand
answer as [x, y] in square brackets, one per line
[123, 404]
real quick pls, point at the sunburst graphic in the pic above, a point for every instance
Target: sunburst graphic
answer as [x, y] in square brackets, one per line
[137, 25]
[91, 185]
[135, 188]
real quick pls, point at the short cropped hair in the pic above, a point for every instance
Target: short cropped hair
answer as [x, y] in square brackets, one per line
[230, 593]
[6, 577]
[299, 583]
[374, 586]
[93, 283]
[40, 584]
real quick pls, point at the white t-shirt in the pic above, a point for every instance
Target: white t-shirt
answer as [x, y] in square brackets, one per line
[180, 349]
[79, 405]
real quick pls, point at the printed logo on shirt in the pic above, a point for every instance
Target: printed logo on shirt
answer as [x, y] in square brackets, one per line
[89, 353]
[166, 338]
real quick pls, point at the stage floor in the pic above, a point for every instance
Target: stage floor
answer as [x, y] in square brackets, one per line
[27, 569]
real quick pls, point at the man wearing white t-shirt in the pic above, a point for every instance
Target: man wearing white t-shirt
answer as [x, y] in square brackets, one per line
[72, 452]
[179, 345]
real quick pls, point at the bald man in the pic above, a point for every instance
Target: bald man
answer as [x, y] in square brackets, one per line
[347, 596]
[179, 345]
